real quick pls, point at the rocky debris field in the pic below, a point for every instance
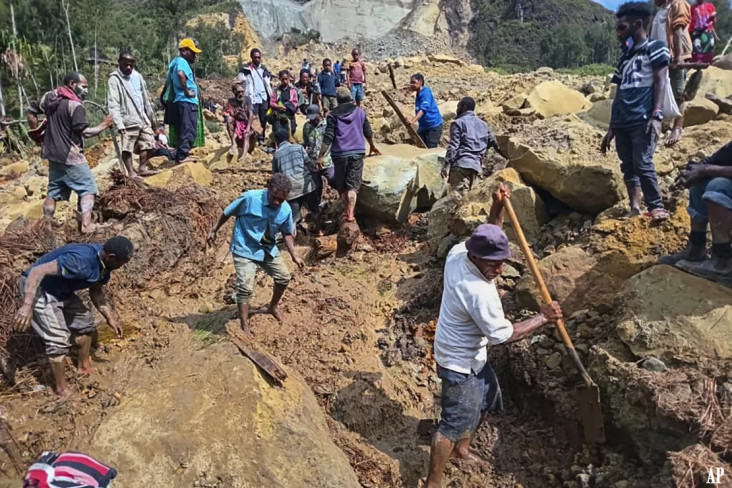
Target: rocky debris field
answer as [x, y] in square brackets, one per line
[176, 403]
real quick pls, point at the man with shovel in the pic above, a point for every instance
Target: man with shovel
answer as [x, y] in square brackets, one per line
[471, 318]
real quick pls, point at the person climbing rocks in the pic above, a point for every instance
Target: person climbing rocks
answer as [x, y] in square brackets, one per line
[328, 82]
[183, 116]
[356, 77]
[63, 147]
[471, 318]
[346, 132]
[293, 161]
[260, 216]
[257, 80]
[636, 116]
[238, 117]
[710, 204]
[426, 112]
[133, 113]
[678, 18]
[284, 103]
[50, 304]
[470, 139]
[703, 18]
[313, 133]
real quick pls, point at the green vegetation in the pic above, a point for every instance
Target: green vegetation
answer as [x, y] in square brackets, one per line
[42, 51]
[590, 70]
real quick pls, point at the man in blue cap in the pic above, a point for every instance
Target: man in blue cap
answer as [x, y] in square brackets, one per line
[471, 317]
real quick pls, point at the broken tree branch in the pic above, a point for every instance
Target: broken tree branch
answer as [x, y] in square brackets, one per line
[416, 140]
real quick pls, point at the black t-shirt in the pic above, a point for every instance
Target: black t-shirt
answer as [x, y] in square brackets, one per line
[63, 142]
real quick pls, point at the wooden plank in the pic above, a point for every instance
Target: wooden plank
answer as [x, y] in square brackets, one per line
[391, 75]
[416, 140]
[259, 357]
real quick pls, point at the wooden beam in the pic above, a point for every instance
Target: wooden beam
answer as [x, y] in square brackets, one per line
[259, 357]
[391, 75]
[416, 140]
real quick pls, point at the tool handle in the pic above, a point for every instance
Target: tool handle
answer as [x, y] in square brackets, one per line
[546, 297]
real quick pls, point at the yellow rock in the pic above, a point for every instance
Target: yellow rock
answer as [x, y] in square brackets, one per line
[181, 175]
[19, 192]
[717, 81]
[699, 111]
[448, 110]
[14, 169]
[30, 210]
[554, 98]
[36, 185]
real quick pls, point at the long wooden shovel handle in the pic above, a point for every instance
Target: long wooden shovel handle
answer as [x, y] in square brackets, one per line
[543, 289]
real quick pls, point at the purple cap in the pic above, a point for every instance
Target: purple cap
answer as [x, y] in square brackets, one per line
[488, 242]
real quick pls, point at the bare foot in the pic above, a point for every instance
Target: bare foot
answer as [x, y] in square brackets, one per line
[275, 312]
[468, 456]
[673, 137]
[147, 172]
[86, 368]
[64, 395]
[89, 229]
[634, 212]
[247, 331]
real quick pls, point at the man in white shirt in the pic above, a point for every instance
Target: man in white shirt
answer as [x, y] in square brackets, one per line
[257, 79]
[471, 317]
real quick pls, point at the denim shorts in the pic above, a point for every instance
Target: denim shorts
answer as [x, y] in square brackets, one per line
[357, 93]
[714, 190]
[465, 399]
[65, 178]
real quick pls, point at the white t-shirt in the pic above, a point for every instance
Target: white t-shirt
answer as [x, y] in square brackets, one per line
[471, 316]
[658, 27]
[163, 139]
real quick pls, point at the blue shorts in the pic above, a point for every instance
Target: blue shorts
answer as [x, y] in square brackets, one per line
[357, 92]
[714, 190]
[64, 178]
[465, 399]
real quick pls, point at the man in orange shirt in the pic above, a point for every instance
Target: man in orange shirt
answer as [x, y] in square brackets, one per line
[679, 43]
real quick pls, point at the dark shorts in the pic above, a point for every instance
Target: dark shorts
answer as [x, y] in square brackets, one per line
[348, 172]
[64, 178]
[431, 137]
[465, 399]
[311, 201]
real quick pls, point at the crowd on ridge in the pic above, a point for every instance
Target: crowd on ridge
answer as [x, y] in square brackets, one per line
[651, 80]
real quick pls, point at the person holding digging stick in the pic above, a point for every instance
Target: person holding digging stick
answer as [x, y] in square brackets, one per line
[471, 318]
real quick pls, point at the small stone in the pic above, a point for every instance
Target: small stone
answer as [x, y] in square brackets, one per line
[540, 351]
[582, 348]
[554, 360]
[205, 307]
[510, 272]
[654, 364]
[546, 342]
[622, 484]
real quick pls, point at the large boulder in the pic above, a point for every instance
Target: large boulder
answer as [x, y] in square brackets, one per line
[571, 169]
[455, 217]
[717, 81]
[399, 181]
[205, 426]
[575, 278]
[599, 114]
[699, 111]
[669, 314]
[181, 175]
[14, 170]
[725, 62]
[554, 98]
[448, 110]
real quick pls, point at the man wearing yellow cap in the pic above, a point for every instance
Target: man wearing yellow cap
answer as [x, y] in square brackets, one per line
[183, 115]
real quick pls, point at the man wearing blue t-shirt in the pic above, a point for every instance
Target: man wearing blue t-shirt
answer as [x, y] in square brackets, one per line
[260, 216]
[185, 104]
[635, 122]
[426, 112]
[57, 314]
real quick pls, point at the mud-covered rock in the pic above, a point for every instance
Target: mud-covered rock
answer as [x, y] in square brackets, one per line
[575, 278]
[402, 179]
[181, 175]
[699, 111]
[567, 168]
[554, 98]
[687, 317]
[236, 427]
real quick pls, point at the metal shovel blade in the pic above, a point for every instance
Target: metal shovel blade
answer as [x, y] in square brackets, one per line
[591, 414]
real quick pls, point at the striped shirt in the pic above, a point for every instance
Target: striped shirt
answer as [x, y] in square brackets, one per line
[633, 104]
[69, 470]
[292, 161]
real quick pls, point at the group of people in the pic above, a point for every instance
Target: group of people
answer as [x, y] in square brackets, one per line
[334, 146]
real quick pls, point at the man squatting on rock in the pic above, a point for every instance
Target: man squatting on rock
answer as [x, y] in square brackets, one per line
[260, 215]
[471, 317]
[56, 313]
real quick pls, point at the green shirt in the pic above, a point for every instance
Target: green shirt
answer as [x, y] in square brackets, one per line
[313, 141]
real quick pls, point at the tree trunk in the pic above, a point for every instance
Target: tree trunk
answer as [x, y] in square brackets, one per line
[96, 62]
[2, 102]
[65, 6]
